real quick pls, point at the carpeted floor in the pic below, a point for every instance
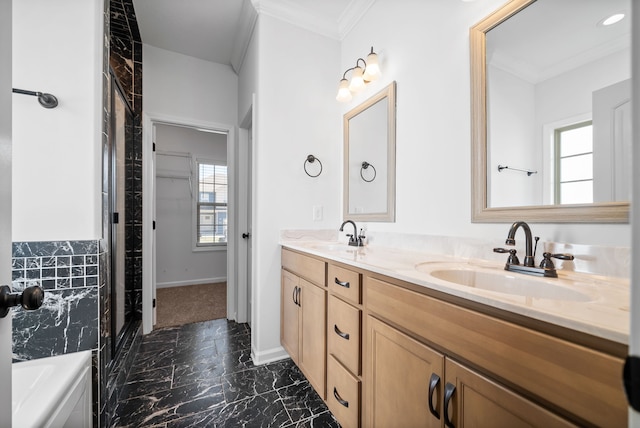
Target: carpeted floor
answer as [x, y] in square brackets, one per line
[190, 303]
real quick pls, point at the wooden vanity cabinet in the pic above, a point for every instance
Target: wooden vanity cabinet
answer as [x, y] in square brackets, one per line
[411, 384]
[512, 375]
[303, 315]
[386, 353]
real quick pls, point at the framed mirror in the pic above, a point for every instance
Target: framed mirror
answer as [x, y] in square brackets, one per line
[370, 158]
[550, 110]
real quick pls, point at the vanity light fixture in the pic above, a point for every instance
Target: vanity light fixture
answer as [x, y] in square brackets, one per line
[359, 78]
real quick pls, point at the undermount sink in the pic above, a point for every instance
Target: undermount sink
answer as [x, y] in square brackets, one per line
[509, 284]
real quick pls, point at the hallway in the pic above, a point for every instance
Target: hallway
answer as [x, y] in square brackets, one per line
[201, 375]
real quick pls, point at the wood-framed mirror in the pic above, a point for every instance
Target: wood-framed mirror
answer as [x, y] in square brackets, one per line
[509, 40]
[370, 158]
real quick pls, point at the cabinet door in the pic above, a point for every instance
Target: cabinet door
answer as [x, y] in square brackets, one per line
[313, 348]
[480, 402]
[398, 374]
[289, 323]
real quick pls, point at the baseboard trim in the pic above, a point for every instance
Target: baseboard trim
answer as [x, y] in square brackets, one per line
[268, 356]
[191, 282]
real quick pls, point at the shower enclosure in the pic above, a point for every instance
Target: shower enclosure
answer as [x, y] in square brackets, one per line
[121, 291]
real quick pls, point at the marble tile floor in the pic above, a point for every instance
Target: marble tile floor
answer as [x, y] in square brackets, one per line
[201, 375]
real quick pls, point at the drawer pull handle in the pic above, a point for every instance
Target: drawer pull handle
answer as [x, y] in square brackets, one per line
[449, 390]
[342, 284]
[340, 400]
[340, 333]
[433, 384]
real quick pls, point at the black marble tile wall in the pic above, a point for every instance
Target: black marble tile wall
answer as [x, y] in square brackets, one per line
[69, 272]
[123, 54]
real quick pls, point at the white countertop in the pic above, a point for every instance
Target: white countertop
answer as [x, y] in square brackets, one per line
[601, 309]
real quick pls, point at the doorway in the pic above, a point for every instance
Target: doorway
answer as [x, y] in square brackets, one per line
[201, 237]
[192, 202]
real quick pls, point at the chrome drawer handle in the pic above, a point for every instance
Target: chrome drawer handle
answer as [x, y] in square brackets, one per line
[342, 284]
[340, 333]
[340, 400]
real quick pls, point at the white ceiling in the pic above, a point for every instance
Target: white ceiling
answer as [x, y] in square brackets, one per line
[552, 37]
[219, 30]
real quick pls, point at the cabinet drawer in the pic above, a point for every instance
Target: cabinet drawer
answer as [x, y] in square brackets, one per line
[344, 333]
[343, 394]
[304, 266]
[344, 282]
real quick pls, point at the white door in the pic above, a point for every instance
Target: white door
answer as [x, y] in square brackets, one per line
[612, 142]
[249, 220]
[5, 206]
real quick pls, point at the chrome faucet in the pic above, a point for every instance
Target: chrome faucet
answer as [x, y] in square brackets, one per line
[528, 258]
[355, 240]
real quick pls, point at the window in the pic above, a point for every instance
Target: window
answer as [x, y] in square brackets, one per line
[574, 164]
[211, 204]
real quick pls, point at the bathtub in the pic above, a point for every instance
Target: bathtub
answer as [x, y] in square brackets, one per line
[52, 392]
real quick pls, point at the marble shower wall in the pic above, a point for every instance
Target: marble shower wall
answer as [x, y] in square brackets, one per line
[70, 273]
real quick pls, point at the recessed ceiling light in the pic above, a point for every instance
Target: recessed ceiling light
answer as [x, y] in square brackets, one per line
[610, 20]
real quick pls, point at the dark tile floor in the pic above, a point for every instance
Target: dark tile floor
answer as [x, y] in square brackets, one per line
[201, 375]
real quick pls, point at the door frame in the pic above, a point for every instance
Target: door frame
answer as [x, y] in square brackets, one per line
[5, 203]
[245, 214]
[149, 120]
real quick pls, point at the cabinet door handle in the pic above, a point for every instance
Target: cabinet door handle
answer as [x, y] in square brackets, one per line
[340, 400]
[298, 296]
[340, 333]
[449, 390]
[342, 284]
[433, 384]
[295, 292]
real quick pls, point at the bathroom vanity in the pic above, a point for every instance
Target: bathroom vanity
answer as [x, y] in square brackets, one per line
[386, 341]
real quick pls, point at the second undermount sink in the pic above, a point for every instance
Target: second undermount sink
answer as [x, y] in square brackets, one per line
[509, 284]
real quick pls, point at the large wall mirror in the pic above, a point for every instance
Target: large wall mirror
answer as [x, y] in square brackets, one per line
[551, 112]
[370, 158]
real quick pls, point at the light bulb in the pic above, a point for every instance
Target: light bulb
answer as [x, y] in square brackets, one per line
[372, 71]
[344, 94]
[357, 82]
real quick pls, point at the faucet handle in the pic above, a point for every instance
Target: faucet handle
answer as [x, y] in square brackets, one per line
[547, 263]
[513, 259]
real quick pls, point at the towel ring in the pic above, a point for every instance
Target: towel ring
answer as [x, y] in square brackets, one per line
[366, 165]
[312, 159]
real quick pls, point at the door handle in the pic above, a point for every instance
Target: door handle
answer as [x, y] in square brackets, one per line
[246, 235]
[31, 298]
[433, 384]
[449, 390]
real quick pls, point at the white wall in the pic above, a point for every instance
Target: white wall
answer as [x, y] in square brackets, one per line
[185, 87]
[424, 46]
[176, 261]
[57, 170]
[296, 116]
[511, 106]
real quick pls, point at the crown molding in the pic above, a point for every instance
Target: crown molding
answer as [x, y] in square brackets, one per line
[244, 32]
[352, 15]
[335, 28]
